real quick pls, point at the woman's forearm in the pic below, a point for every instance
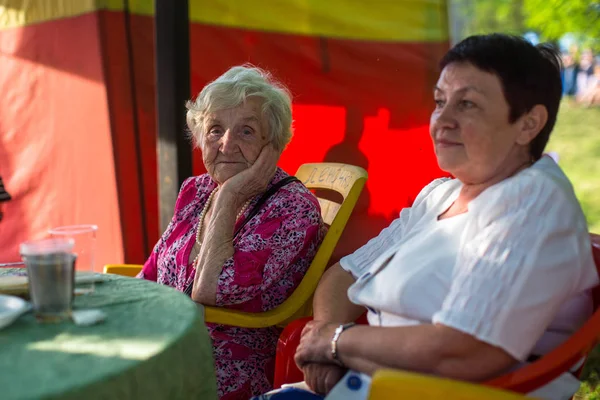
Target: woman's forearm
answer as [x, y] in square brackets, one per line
[216, 249]
[432, 349]
[366, 349]
[331, 300]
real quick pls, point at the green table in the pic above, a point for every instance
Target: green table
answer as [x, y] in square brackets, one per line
[153, 345]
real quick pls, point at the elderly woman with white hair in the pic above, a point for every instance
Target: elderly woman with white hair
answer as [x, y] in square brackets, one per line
[243, 234]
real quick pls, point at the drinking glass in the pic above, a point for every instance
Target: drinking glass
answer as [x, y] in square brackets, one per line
[51, 274]
[84, 237]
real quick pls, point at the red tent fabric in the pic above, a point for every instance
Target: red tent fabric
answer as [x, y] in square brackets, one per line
[77, 130]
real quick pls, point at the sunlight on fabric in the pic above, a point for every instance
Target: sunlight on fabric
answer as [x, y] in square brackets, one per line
[125, 348]
[19, 13]
[10, 17]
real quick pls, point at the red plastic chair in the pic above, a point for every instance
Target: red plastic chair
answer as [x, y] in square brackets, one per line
[286, 370]
[523, 380]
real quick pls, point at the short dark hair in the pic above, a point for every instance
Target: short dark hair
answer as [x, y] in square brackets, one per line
[529, 75]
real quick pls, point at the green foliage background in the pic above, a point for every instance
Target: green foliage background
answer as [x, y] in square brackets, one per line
[551, 19]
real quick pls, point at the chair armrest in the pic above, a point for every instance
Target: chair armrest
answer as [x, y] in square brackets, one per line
[123, 269]
[225, 316]
[286, 370]
[387, 384]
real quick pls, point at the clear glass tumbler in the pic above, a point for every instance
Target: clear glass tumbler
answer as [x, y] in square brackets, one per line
[84, 237]
[51, 274]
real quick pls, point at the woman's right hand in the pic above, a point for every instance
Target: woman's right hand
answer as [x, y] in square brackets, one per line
[321, 378]
[253, 180]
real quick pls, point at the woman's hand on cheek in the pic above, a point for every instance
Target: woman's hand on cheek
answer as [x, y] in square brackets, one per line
[253, 180]
[315, 344]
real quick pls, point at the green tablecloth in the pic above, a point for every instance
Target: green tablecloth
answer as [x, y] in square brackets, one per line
[153, 345]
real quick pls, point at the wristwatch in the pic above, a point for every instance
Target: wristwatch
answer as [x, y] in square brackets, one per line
[336, 337]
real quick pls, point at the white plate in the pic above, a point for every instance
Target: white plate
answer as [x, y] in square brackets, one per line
[17, 284]
[11, 307]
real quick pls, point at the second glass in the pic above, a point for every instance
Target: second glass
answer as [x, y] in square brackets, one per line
[84, 237]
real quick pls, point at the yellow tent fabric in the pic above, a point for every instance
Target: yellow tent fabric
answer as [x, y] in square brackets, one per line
[381, 20]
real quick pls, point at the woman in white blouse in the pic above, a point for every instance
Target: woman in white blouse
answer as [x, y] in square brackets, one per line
[484, 270]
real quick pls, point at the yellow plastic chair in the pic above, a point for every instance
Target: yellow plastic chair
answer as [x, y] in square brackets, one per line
[395, 384]
[123, 269]
[348, 181]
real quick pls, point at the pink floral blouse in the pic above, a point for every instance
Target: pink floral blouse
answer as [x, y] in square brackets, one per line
[271, 255]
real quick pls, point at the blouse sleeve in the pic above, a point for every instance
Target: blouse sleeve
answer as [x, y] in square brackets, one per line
[149, 270]
[359, 261]
[525, 255]
[273, 256]
[186, 194]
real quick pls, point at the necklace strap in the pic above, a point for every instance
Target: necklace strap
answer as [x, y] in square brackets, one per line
[272, 190]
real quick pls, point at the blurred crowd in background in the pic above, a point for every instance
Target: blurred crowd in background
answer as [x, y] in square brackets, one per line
[581, 76]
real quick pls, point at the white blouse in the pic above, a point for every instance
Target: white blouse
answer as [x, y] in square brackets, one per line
[514, 271]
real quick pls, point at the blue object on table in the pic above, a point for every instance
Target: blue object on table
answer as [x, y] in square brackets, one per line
[353, 382]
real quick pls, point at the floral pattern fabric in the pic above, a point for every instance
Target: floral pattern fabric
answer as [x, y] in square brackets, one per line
[271, 255]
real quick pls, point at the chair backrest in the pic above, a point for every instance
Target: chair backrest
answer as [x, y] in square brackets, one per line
[394, 384]
[565, 356]
[348, 181]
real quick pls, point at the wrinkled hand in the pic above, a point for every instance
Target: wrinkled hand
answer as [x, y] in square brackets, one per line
[315, 344]
[253, 180]
[321, 378]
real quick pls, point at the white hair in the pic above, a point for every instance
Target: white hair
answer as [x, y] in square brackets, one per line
[233, 88]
